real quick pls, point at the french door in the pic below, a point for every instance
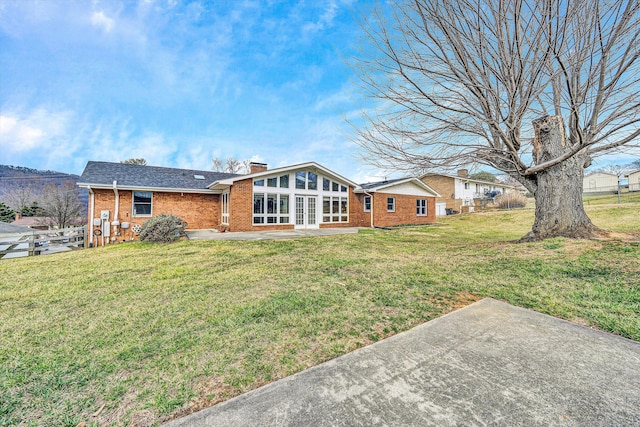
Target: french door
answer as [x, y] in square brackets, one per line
[306, 212]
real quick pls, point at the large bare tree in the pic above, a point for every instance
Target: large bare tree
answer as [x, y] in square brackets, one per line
[230, 165]
[534, 88]
[61, 205]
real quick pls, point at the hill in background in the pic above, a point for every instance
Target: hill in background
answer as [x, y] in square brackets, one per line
[16, 177]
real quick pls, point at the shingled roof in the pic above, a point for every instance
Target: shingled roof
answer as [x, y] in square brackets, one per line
[372, 185]
[100, 174]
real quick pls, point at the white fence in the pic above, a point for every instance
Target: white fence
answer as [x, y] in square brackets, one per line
[39, 242]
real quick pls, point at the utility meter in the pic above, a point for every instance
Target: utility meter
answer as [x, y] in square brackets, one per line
[104, 215]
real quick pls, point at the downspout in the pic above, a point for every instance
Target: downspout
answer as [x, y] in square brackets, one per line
[91, 213]
[116, 221]
[370, 210]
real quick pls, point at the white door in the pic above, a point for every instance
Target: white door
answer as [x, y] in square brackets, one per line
[306, 212]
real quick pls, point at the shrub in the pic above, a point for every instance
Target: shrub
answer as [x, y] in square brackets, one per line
[163, 229]
[510, 201]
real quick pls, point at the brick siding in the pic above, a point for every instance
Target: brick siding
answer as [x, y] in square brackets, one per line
[405, 212]
[197, 210]
[445, 186]
[203, 210]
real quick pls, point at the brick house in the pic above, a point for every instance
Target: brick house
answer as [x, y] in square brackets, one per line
[122, 197]
[463, 194]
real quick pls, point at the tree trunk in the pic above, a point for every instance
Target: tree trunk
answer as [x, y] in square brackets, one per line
[559, 208]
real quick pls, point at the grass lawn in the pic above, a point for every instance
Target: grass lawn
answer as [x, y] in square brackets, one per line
[611, 199]
[155, 331]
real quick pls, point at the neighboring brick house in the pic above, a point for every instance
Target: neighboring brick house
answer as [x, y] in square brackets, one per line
[460, 193]
[122, 197]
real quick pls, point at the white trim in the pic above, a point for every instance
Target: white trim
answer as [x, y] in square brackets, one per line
[383, 186]
[92, 213]
[426, 207]
[308, 165]
[133, 205]
[364, 203]
[152, 189]
[394, 204]
[371, 211]
[497, 184]
[224, 206]
[116, 222]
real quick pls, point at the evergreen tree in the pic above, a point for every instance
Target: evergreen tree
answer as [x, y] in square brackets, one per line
[6, 213]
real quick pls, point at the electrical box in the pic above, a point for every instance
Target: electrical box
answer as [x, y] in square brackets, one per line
[104, 215]
[106, 230]
[97, 221]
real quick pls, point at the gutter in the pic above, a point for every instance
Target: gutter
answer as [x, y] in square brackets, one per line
[91, 213]
[151, 189]
[370, 210]
[116, 221]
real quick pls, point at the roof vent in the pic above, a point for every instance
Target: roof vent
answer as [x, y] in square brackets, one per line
[198, 176]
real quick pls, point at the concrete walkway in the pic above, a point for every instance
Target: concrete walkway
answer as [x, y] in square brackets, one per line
[267, 235]
[487, 364]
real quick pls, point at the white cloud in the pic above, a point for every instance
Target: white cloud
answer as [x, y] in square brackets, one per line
[99, 19]
[325, 20]
[33, 131]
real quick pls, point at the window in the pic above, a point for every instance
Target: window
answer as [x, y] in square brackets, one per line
[335, 209]
[326, 209]
[343, 189]
[142, 203]
[225, 208]
[301, 178]
[344, 211]
[284, 209]
[326, 184]
[466, 185]
[391, 204]
[270, 208]
[258, 208]
[312, 181]
[421, 207]
[477, 188]
[284, 181]
[258, 183]
[334, 186]
[367, 203]
[272, 182]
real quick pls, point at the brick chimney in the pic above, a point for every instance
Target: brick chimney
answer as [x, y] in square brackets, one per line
[463, 173]
[255, 167]
[18, 216]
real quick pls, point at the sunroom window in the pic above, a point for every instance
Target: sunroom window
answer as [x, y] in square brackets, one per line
[270, 208]
[301, 178]
[335, 209]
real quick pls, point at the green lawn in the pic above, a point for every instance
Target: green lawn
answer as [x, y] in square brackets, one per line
[156, 331]
[625, 197]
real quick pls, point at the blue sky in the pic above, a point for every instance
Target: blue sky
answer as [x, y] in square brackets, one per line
[178, 83]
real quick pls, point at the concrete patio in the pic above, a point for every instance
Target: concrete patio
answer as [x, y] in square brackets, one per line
[489, 363]
[267, 235]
